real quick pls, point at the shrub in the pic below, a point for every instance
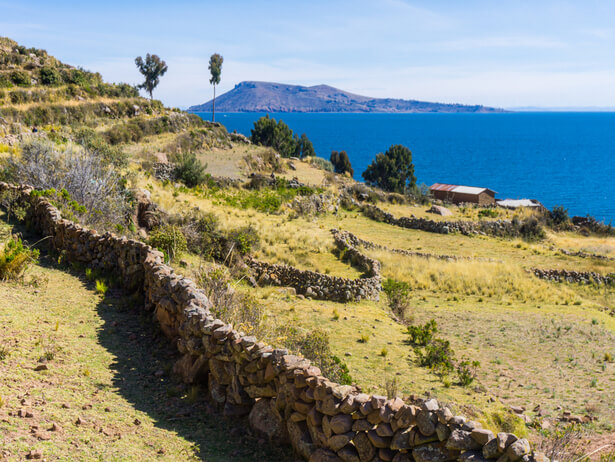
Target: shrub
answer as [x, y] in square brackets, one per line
[437, 355]
[321, 163]
[21, 78]
[244, 239]
[314, 345]
[15, 259]
[531, 229]
[467, 372]
[488, 213]
[189, 169]
[9, 200]
[169, 240]
[559, 216]
[50, 76]
[422, 335]
[95, 142]
[341, 162]
[89, 182]
[398, 294]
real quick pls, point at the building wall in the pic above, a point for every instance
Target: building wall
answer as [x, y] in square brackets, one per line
[483, 198]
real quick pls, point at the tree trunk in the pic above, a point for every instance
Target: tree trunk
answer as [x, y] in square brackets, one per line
[213, 107]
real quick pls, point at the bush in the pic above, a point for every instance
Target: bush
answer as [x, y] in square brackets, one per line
[169, 240]
[189, 169]
[95, 142]
[341, 163]
[392, 171]
[314, 345]
[467, 372]
[559, 216]
[21, 78]
[50, 76]
[398, 293]
[488, 213]
[231, 306]
[15, 259]
[437, 355]
[244, 239]
[87, 180]
[531, 229]
[422, 335]
[321, 163]
[278, 135]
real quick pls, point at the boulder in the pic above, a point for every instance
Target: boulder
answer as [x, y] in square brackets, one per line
[439, 210]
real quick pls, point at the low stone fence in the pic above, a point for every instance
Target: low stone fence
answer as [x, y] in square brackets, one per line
[501, 228]
[578, 277]
[322, 286]
[286, 398]
[357, 241]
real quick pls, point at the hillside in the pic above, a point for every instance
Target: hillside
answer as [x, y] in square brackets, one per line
[278, 97]
[514, 352]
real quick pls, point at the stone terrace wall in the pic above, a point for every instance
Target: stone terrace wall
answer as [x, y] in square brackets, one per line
[357, 241]
[579, 277]
[322, 286]
[285, 397]
[502, 228]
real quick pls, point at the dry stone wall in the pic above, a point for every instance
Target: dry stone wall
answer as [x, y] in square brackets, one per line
[502, 228]
[322, 286]
[357, 241]
[579, 277]
[285, 397]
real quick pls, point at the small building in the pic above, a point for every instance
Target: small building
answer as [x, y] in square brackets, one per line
[460, 194]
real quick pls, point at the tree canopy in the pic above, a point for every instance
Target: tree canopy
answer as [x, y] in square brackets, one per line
[215, 69]
[152, 69]
[392, 171]
[341, 163]
[304, 147]
[276, 134]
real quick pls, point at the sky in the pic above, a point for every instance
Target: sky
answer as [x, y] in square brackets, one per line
[496, 53]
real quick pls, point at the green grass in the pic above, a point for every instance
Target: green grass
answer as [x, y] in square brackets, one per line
[107, 365]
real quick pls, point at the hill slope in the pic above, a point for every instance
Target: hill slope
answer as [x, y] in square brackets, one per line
[278, 97]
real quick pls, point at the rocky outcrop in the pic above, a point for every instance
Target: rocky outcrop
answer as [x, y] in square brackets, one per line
[285, 396]
[578, 277]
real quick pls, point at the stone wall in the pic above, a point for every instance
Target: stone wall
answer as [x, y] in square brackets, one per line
[322, 286]
[357, 241]
[502, 228]
[285, 397]
[579, 277]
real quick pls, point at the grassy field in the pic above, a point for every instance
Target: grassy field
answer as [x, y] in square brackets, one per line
[538, 343]
[107, 368]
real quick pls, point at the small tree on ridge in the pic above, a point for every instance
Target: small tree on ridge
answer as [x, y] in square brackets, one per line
[152, 69]
[215, 68]
[392, 171]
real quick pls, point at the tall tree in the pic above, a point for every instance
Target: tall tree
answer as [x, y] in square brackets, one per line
[304, 147]
[215, 68]
[341, 163]
[152, 69]
[392, 171]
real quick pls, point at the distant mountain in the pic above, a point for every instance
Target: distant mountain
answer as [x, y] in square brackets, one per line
[279, 97]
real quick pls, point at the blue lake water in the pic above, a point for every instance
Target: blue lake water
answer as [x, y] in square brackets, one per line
[558, 158]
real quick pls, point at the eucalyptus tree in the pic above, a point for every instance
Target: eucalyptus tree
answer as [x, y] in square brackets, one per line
[215, 68]
[152, 69]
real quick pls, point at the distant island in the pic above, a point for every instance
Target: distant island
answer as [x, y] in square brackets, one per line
[279, 97]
